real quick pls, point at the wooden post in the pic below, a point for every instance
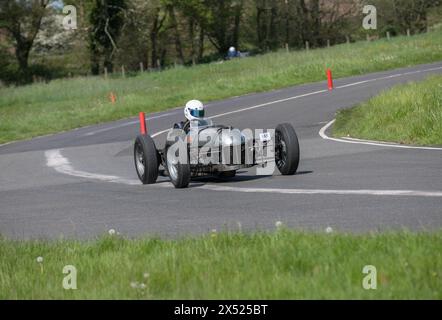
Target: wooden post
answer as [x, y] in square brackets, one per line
[105, 73]
[123, 71]
[141, 67]
[286, 47]
[408, 33]
[307, 46]
[388, 35]
[348, 39]
[368, 37]
[158, 64]
[328, 43]
[193, 61]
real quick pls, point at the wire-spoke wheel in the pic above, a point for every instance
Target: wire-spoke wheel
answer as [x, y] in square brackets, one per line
[179, 173]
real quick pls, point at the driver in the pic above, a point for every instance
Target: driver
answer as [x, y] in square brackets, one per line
[194, 110]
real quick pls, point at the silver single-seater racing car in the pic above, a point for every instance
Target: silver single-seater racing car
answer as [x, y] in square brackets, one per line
[201, 148]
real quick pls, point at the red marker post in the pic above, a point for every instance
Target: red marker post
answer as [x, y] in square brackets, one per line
[143, 130]
[330, 79]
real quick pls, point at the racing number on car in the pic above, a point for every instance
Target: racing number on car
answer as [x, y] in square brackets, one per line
[265, 137]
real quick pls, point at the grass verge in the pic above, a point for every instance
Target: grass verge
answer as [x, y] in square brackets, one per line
[409, 114]
[66, 104]
[279, 265]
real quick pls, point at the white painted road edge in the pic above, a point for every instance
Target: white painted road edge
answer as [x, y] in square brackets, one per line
[55, 160]
[369, 142]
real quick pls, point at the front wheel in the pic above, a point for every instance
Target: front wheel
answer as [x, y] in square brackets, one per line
[146, 159]
[286, 149]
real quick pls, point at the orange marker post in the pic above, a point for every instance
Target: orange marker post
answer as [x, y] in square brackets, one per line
[143, 129]
[330, 79]
[112, 97]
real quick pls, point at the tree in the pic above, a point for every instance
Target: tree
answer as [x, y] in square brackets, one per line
[22, 19]
[412, 14]
[195, 14]
[222, 23]
[107, 20]
[397, 16]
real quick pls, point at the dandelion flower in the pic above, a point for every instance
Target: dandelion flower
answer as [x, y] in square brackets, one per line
[278, 224]
[146, 275]
[134, 285]
[112, 232]
[40, 262]
[328, 230]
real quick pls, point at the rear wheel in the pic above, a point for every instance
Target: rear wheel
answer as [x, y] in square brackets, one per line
[286, 149]
[146, 159]
[179, 173]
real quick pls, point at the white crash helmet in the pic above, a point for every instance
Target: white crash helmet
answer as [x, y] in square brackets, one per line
[194, 110]
[232, 49]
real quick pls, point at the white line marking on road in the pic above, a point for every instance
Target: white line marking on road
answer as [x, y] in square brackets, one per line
[268, 103]
[387, 77]
[126, 124]
[369, 142]
[56, 160]
[253, 107]
[414, 193]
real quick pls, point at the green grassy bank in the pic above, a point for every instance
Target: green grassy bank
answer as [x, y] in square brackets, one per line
[409, 114]
[279, 265]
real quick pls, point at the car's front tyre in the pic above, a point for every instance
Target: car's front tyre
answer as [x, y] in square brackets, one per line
[146, 159]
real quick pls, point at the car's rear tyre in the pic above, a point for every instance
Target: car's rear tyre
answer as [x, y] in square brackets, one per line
[227, 174]
[179, 173]
[146, 159]
[286, 149]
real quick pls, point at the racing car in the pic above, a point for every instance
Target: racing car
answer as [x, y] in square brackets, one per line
[203, 148]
